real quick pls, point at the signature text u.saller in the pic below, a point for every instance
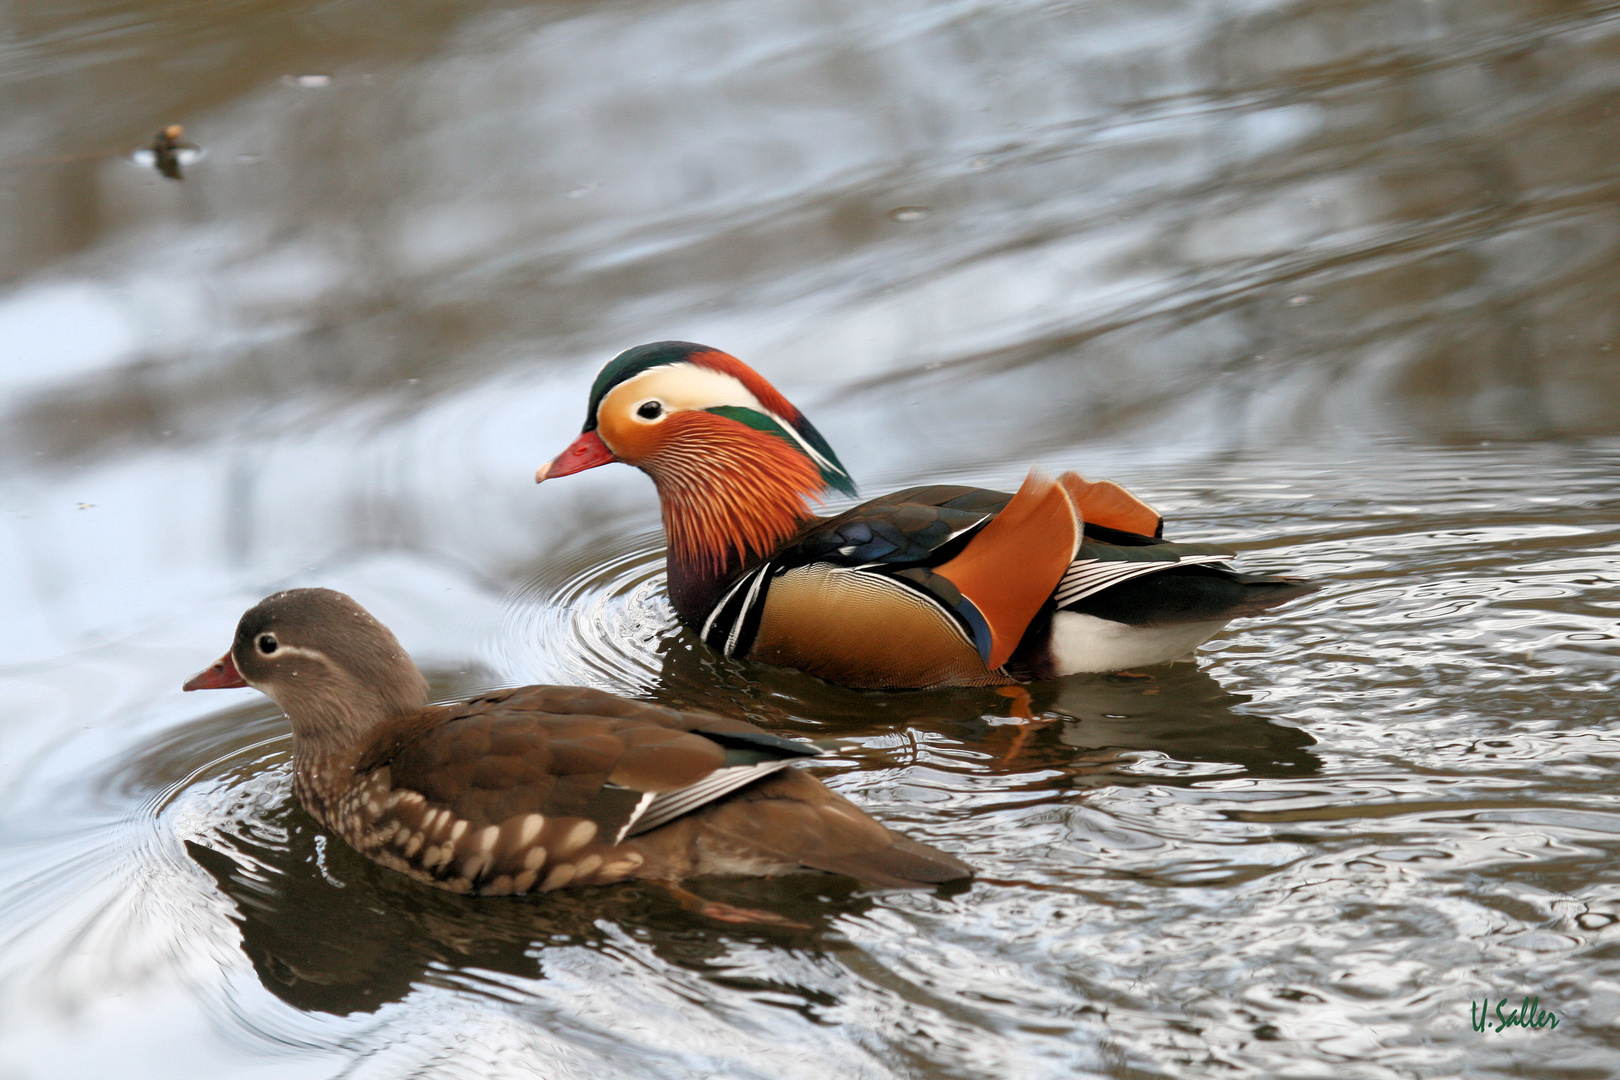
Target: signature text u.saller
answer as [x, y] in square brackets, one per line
[1529, 1014]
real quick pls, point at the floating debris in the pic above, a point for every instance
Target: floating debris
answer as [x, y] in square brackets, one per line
[168, 152]
[307, 80]
[908, 213]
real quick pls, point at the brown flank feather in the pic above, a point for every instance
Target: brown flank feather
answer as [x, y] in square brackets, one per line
[865, 630]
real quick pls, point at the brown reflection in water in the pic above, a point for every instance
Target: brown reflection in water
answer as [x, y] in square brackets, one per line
[1179, 711]
[1086, 727]
[326, 929]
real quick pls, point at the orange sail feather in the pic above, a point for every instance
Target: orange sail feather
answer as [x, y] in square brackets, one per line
[1012, 566]
[1105, 503]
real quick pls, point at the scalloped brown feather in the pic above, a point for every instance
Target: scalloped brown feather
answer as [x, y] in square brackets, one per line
[527, 790]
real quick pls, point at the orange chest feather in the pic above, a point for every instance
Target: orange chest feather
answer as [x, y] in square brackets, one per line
[729, 493]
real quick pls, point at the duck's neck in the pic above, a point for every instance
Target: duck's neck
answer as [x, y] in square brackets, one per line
[728, 504]
[332, 735]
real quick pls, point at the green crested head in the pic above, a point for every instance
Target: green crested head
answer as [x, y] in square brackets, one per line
[739, 393]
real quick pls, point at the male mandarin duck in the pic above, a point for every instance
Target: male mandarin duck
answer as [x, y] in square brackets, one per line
[535, 788]
[930, 586]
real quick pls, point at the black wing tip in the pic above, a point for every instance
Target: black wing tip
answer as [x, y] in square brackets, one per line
[1280, 590]
[1191, 593]
[904, 864]
[1261, 594]
[775, 745]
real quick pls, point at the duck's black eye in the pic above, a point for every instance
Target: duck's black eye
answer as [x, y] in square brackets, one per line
[268, 644]
[650, 410]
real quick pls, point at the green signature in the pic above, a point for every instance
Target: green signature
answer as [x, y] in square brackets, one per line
[1529, 1014]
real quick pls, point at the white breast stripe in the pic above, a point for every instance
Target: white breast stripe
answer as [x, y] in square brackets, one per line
[670, 805]
[742, 612]
[708, 624]
[1087, 576]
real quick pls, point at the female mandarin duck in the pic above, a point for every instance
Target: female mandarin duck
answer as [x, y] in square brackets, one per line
[930, 586]
[539, 787]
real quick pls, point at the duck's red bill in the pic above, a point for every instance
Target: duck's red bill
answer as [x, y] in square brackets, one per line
[586, 452]
[220, 675]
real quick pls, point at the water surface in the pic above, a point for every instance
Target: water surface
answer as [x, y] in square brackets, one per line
[1329, 282]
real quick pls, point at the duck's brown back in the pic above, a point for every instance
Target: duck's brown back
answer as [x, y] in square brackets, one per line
[541, 787]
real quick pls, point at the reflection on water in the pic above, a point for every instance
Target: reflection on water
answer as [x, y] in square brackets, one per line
[1328, 282]
[326, 932]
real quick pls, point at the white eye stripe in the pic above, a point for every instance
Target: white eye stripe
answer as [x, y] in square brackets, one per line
[684, 386]
[293, 650]
[687, 386]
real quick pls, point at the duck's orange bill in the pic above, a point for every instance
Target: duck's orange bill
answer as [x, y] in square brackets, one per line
[220, 675]
[586, 452]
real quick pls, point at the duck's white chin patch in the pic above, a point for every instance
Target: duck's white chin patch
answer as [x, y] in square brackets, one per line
[1087, 643]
